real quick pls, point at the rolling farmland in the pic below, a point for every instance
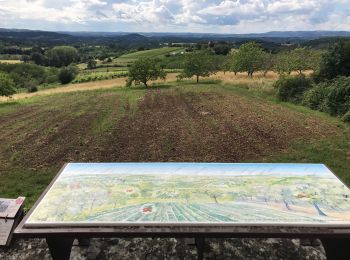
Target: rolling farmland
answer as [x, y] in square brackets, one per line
[154, 53]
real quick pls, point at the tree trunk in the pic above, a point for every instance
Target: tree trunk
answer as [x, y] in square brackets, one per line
[197, 79]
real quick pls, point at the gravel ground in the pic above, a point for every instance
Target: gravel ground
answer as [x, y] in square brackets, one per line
[141, 248]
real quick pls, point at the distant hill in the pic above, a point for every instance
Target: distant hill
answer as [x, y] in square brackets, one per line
[273, 34]
[150, 40]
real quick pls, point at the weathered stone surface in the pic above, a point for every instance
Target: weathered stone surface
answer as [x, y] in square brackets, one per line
[171, 249]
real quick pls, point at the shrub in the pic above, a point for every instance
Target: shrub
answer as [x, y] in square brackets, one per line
[338, 99]
[291, 88]
[24, 74]
[52, 79]
[7, 86]
[67, 74]
[315, 98]
[32, 89]
[332, 97]
[346, 117]
[91, 64]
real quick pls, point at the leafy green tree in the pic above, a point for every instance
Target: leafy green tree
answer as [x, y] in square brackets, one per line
[299, 58]
[268, 63]
[198, 64]
[250, 57]
[38, 58]
[67, 74]
[91, 64]
[62, 56]
[336, 62]
[144, 70]
[226, 64]
[7, 85]
[222, 49]
[234, 64]
[284, 63]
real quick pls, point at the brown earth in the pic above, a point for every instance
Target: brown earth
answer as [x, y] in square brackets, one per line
[207, 127]
[169, 125]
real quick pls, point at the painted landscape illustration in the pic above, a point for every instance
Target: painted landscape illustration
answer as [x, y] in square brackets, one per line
[195, 193]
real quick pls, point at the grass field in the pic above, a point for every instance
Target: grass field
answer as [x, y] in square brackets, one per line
[10, 61]
[154, 53]
[178, 121]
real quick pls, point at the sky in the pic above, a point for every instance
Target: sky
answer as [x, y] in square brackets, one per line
[202, 16]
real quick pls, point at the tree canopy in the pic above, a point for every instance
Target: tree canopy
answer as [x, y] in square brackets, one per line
[91, 63]
[62, 56]
[144, 70]
[248, 58]
[67, 74]
[336, 62]
[198, 64]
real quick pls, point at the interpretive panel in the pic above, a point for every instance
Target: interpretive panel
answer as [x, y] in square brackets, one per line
[10, 207]
[193, 193]
[6, 226]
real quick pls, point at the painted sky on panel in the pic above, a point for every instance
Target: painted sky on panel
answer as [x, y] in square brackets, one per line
[197, 169]
[219, 16]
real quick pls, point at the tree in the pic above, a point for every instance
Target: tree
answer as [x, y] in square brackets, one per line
[249, 57]
[222, 49]
[38, 58]
[336, 62]
[198, 64]
[302, 59]
[7, 86]
[62, 56]
[284, 63]
[233, 64]
[67, 74]
[226, 64]
[144, 70]
[91, 64]
[268, 63]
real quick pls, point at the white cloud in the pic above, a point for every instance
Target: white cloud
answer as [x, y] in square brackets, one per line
[177, 15]
[148, 11]
[69, 11]
[295, 6]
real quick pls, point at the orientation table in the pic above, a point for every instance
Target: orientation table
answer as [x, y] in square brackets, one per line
[193, 200]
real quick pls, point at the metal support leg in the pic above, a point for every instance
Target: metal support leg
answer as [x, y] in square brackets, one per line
[200, 247]
[60, 248]
[337, 248]
[83, 242]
